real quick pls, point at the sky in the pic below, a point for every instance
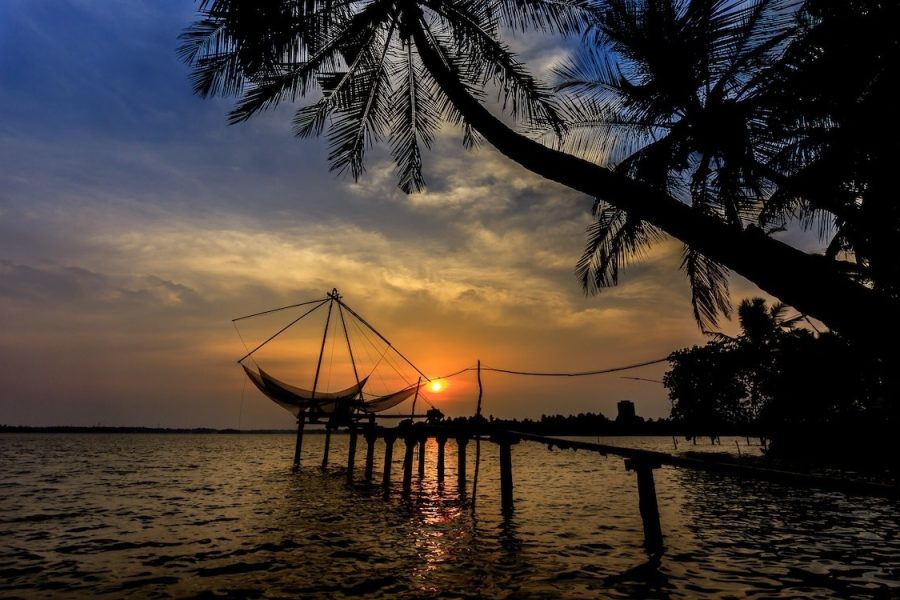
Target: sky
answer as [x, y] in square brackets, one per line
[135, 224]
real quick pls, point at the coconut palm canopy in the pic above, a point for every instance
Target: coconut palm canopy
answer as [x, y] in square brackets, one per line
[680, 116]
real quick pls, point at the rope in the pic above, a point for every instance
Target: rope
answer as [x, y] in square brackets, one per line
[331, 356]
[579, 373]
[246, 348]
[386, 358]
[549, 374]
[265, 312]
[643, 379]
[280, 331]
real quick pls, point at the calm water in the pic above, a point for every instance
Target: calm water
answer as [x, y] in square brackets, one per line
[223, 516]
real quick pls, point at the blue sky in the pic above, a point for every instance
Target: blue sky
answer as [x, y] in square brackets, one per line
[134, 224]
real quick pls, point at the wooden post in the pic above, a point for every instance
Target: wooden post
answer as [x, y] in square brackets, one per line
[327, 447]
[422, 442]
[477, 440]
[351, 453]
[653, 537]
[407, 462]
[389, 440]
[441, 441]
[298, 446]
[506, 481]
[461, 442]
[370, 436]
[412, 414]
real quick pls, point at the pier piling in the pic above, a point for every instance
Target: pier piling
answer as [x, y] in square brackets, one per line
[647, 504]
[370, 436]
[441, 442]
[461, 442]
[407, 463]
[505, 442]
[298, 446]
[327, 447]
[351, 454]
[506, 482]
[422, 441]
[389, 440]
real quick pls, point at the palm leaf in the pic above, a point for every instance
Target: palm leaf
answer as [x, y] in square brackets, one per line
[415, 119]
[289, 83]
[709, 288]
[491, 61]
[613, 240]
[366, 117]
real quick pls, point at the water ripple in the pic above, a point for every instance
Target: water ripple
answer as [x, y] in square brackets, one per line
[223, 517]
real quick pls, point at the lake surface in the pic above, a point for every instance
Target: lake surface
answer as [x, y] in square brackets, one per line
[216, 516]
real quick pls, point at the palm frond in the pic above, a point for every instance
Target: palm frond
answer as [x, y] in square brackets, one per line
[415, 119]
[592, 73]
[562, 16]
[367, 115]
[294, 80]
[216, 70]
[709, 288]
[613, 240]
[489, 60]
[600, 131]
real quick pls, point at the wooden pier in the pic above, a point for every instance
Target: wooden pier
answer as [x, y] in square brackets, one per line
[414, 436]
[359, 412]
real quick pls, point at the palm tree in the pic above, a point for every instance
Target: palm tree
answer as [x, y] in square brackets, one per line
[762, 325]
[669, 93]
[359, 58]
[840, 136]
[438, 55]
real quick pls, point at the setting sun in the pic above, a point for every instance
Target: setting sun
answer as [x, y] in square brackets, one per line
[436, 386]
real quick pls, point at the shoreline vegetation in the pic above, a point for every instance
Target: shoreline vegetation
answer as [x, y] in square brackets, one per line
[573, 425]
[123, 429]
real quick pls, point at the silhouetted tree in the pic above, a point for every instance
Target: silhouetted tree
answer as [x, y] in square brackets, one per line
[790, 384]
[694, 83]
[705, 388]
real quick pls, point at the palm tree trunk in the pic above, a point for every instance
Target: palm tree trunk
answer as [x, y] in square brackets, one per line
[810, 283]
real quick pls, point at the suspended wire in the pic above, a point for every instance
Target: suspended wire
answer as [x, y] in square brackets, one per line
[371, 343]
[554, 374]
[578, 373]
[386, 341]
[643, 379]
[246, 349]
[282, 330]
[349, 346]
[365, 355]
[330, 334]
[265, 312]
[379, 377]
[455, 373]
[385, 355]
[387, 360]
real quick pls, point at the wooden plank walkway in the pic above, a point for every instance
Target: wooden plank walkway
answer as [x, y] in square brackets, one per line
[734, 469]
[641, 462]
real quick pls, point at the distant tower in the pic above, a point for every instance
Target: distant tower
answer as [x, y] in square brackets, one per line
[626, 412]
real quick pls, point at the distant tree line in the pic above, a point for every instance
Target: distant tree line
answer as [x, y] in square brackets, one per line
[582, 424]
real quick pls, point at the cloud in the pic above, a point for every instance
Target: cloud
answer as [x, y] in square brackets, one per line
[134, 225]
